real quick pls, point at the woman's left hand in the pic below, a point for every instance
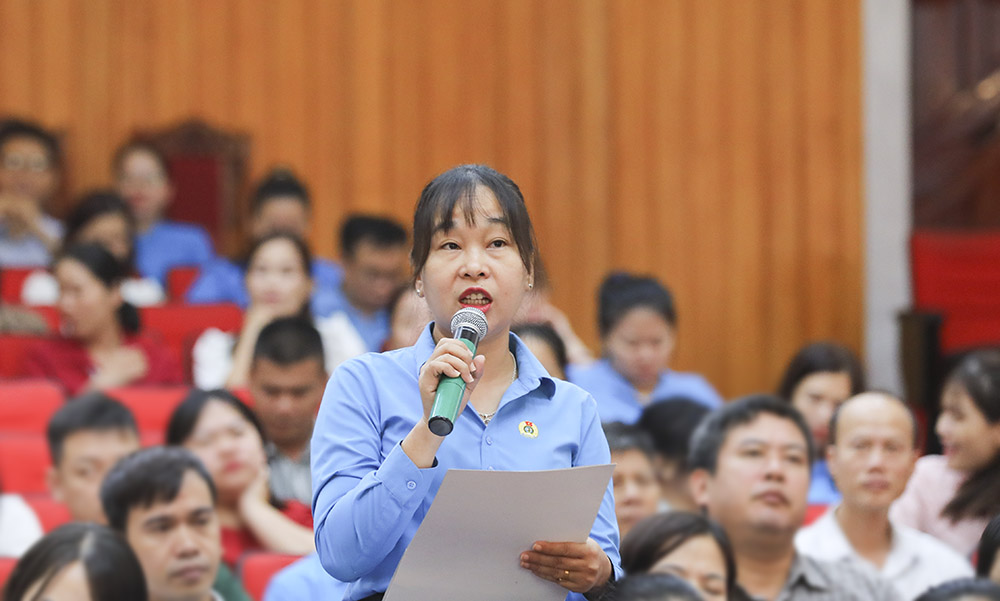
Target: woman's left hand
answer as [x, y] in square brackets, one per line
[259, 490]
[579, 567]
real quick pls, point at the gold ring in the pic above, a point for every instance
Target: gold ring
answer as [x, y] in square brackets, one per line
[565, 573]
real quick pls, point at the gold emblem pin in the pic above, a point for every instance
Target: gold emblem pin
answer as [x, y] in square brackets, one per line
[528, 429]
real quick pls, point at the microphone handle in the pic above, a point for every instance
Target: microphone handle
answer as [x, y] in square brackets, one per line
[447, 400]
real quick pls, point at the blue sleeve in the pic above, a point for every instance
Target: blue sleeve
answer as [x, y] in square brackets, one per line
[703, 391]
[202, 251]
[219, 282]
[362, 502]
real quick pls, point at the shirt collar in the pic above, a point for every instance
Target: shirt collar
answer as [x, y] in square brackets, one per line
[835, 543]
[805, 570]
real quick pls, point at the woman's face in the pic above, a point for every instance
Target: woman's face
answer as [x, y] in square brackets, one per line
[276, 279]
[229, 446]
[86, 305]
[968, 440]
[68, 584]
[639, 346]
[817, 396]
[475, 265]
[110, 230]
[698, 561]
[144, 185]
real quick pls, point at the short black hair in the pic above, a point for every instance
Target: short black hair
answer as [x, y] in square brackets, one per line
[289, 340]
[621, 292]
[379, 231]
[652, 587]
[145, 477]
[279, 182]
[711, 433]
[989, 542]
[186, 414]
[670, 422]
[626, 437]
[18, 128]
[821, 357]
[661, 534]
[835, 417]
[88, 412]
[109, 271]
[962, 589]
[547, 334]
[112, 568]
[140, 144]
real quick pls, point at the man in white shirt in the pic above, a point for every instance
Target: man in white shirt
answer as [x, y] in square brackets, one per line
[871, 454]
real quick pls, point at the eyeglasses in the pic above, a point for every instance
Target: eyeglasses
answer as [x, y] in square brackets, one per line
[20, 162]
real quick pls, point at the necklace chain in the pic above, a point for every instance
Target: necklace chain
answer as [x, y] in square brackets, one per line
[488, 417]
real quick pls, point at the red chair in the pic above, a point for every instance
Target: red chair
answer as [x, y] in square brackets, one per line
[151, 406]
[256, 570]
[176, 324]
[24, 461]
[6, 567]
[12, 280]
[50, 513]
[27, 405]
[179, 280]
[13, 350]
[813, 513]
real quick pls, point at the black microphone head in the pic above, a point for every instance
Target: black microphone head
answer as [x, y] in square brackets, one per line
[469, 317]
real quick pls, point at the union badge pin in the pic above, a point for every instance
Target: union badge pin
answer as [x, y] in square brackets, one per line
[528, 429]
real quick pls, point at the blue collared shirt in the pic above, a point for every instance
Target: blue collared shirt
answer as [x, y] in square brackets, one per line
[822, 488]
[304, 579]
[618, 400]
[168, 244]
[369, 498]
[373, 329]
[28, 251]
[222, 281]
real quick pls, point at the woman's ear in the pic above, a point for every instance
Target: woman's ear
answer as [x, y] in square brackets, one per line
[418, 287]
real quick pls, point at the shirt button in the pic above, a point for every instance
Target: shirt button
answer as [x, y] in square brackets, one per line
[411, 485]
[489, 440]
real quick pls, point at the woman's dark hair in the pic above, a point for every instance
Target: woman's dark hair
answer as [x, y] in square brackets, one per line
[978, 375]
[109, 271]
[652, 587]
[95, 204]
[113, 571]
[621, 292]
[821, 357]
[963, 589]
[547, 334]
[185, 416]
[457, 188]
[671, 422]
[140, 145]
[659, 535]
[988, 544]
[279, 182]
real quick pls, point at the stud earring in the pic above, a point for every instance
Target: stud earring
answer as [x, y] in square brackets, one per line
[420, 292]
[530, 285]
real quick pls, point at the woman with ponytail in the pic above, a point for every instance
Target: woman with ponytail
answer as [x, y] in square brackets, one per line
[100, 345]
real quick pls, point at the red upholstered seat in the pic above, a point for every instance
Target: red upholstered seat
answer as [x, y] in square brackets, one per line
[179, 279]
[6, 567]
[176, 324]
[151, 406]
[27, 405]
[24, 461]
[50, 512]
[12, 280]
[256, 570]
[13, 350]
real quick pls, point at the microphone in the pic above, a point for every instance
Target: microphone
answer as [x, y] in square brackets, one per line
[468, 325]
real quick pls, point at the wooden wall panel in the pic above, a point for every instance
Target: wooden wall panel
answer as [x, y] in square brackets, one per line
[714, 144]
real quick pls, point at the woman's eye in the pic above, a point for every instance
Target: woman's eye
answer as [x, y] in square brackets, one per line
[449, 246]
[498, 243]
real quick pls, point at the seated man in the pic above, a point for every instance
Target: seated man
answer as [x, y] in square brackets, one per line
[86, 437]
[670, 423]
[30, 162]
[287, 380]
[871, 453]
[280, 203]
[750, 463]
[637, 495]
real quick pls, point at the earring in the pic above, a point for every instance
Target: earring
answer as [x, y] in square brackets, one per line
[531, 285]
[420, 292]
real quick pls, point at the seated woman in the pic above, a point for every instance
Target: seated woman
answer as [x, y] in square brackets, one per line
[100, 345]
[953, 496]
[820, 377]
[225, 434]
[652, 587]
[77, 562]
[688, 545]
[101, 217]
[638, 325]
[279, 283]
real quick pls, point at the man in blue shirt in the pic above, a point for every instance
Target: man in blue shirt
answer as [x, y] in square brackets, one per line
[304, 579]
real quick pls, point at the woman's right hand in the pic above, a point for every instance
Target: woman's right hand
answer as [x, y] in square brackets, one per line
[121, 367]
[451, 359]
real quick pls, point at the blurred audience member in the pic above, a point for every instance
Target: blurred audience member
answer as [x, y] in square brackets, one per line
[304, 579]
[408, 316]
[143, 180]
[987, 563]
[638, 326]
[287, 379]
[86, 437]
[820, 377]
[670, 423]
[227, 437]
[101, 345]
[687, 545]
[280, 203]
[537, 307]
[545, 344]
[100, 217]
[750, 470]
[966, 589]
[20, 321]
[30, 164]
[652, 587]
[278, 280]
[636, 492]
[77, 562]
[952, 497]
[871, 450]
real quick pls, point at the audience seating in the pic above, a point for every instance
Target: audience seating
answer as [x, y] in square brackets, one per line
[13, 349]
[50, 512]
[12, 280]
[179, 279]
[151, 406]
[27, 405]
[24, 460]
[6, 567]
[177, 324]
[256, 570]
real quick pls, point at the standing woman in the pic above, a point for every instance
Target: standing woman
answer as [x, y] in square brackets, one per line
[377, 467]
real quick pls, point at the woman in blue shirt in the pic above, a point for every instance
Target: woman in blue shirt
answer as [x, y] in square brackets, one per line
[377, 467]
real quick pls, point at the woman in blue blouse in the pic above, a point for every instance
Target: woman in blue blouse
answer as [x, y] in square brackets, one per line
[376, 466]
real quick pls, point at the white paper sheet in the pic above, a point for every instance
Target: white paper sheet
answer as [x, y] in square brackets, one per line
[469, 545]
